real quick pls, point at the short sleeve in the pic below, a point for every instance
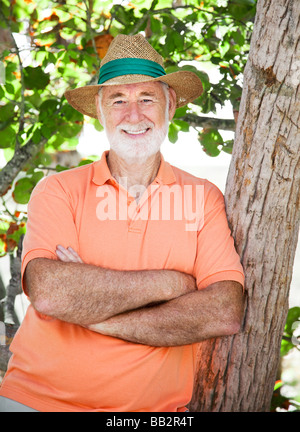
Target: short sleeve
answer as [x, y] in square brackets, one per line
[217, 259]
[50, 222]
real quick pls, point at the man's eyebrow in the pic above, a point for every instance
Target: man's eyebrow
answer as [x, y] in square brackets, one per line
[148, 93]
[120, 94]
[115, 95]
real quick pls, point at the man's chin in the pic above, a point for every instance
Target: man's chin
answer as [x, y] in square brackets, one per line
[135, 152]
[137, 157]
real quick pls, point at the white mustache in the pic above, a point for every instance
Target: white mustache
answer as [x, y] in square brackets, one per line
[135, 128]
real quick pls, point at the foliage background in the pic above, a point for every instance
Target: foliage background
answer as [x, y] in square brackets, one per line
[47, 47]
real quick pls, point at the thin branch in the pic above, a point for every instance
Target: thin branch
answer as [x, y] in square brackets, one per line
[7, 211]
[210, 12]
[209, 122]
[89, 25]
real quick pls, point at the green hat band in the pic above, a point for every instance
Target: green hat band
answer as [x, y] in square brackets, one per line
[130, 66]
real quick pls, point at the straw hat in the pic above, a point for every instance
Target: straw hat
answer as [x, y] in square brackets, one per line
[131, 59]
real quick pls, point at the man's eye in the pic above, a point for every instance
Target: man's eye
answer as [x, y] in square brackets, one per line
[118, 102]
[146, 100]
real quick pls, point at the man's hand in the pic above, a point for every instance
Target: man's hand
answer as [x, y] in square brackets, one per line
[67, 255]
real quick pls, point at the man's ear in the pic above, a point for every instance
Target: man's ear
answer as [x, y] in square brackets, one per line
[97, 102]
[172, 103]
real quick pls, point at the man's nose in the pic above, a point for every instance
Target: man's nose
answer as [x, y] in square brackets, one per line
[134, 113]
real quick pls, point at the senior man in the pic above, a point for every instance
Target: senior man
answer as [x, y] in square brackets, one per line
[128, 262]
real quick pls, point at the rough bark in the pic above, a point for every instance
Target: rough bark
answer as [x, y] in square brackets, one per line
[14, 287]
[263, 207]
[9, 322]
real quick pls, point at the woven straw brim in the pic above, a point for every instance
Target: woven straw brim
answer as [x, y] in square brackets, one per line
[187, 86]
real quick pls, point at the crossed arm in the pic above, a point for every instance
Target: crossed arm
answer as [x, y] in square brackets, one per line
[152, 307]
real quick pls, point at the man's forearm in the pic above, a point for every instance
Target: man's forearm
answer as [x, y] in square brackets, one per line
[212, 312]
[85, 294]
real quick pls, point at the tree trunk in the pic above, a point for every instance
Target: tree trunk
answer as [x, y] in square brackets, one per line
[262, 201]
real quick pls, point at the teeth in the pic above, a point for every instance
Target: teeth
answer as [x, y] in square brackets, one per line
[136, 132]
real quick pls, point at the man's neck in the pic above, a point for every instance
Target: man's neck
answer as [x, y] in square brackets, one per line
[131, 174]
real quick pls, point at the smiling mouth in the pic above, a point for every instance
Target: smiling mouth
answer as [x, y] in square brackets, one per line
[140, 132]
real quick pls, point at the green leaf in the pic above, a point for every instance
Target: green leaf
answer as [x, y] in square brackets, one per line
[121, 14]
[36, 137]
[35, 78]
[155, 25]
[35, 99]
[202, 75]
[8, 153]
[228, 146]
[70, 130]
[6, 112]
[292, 322]
[182, 125]
[47, 108]
[24, 186]
[242, 11]
[22, 190]
[70, 144]
[45, 131]
[60, 168]
[56, 140]
[44, 159]
[292, 317]
[173, 133]
[37, 176]
[85, 162]
[211, 140]
[224, 46]
[96, 124]
[174, 41]
[238, 38]
[9, 88]
[277, 385]
[71, 114]
[154, 4]
[178, 41]
[286, 346]
[7, 137]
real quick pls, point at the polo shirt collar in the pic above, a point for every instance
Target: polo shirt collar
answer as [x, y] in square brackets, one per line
[102, 173]
[165, 173]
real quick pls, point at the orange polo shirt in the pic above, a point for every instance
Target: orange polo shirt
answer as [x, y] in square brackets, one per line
[58, 366]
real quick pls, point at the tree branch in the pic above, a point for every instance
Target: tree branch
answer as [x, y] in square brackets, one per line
[209, 122]
[89, 26]
[20, 158]
[14, 287]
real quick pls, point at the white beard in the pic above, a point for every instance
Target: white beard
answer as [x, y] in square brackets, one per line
[138, 149]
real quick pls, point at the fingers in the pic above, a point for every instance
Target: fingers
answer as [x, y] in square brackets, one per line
[67, 255]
